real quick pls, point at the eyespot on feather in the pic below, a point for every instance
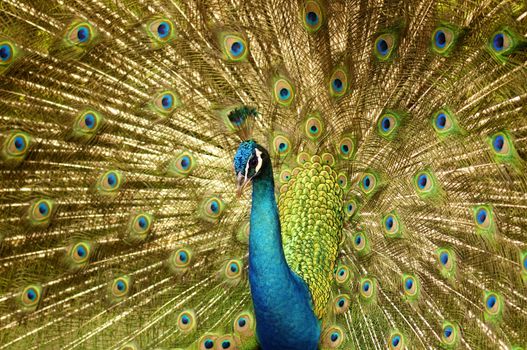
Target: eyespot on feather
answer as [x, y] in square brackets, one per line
[87, 123]
[384, 46]
[166, 102]
[450, 334]
[233, 269]
[187, 321]
[350, 208]
[396, 340]
[391, 225]
[339, 82]
[180, 259]
[302, 158]
[332, 337]
[283, 92]
[30, 297]
[245, 324]
[120, 287]
[312, 16]
[343, 275]
[313, 127]
[161, 29]
[16, 146]
[110, 182]
[281, 145]
[367, 288]
[369, 183]
[79, 254]
[484, 219]
[346, 147]
[493, 303]
[207, 341]
[341, 303]
[444, 39]
[40, 212]
[211, 208]
[80, 34]
[234, 46]
[140, 225]
[182, 165]
[8, 53]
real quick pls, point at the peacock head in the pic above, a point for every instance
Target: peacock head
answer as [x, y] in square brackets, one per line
[248, 163]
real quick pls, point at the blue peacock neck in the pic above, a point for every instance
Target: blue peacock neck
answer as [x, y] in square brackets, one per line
[282, 302]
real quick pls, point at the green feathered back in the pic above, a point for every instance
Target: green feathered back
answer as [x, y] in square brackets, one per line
[311, 217]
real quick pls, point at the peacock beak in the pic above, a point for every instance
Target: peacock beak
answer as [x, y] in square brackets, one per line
[242, 182]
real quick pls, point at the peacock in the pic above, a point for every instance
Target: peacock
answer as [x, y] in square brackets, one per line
[263, 174]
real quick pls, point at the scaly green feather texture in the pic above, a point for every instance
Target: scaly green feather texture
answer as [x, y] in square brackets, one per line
[311, 216]
[397, 135]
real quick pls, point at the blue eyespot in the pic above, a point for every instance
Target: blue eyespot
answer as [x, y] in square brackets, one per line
[422, 181]
[396, 340]
[185, 162]
[237, 48]
[81, 251]
[342, 302]
[43, 208]
[20, 143]
[209, 344]
[481, 216]
[440, 39]
[234, 268]
[491, 301]
[334, 337]
[242, 322]
[338, 85]
[345, 149]
[444, 258]
[312, 18]
[389, 223]
[366, 286]
[350, 207]
[386, 124]
[31, 294]
[142, 222]
[120, 286]
[6, 52]
[382, 47]
[89, 120]
[314, 129]
[366, 182]
[163, 30]
[282, 146]
[284, 94]
[167, 101]
[525, 263]
[498, 143]
[409, 283]
[226, 344]
[183, 256]
[185, 319]
[83, 34]
[441, 121]
[214, 207]
[448, 331]
[342, 272]
[498, 42]
[112, 179]
[358, 240]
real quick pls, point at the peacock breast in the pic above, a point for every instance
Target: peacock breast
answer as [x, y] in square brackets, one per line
[311, 217]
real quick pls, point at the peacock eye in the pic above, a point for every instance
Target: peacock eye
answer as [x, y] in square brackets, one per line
[253, 162]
